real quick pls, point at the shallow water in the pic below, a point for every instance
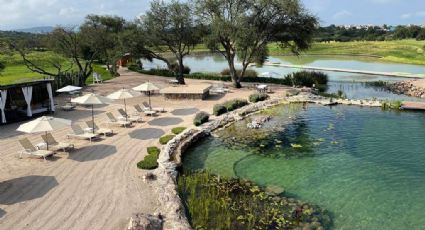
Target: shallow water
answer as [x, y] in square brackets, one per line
[365, 165]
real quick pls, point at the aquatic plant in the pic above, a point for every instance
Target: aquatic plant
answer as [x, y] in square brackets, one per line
[214, 202]
[178, 130]
[150, 160]
[201, 118]
[256, 97]
[165, 139]
[307, 78]
[391, 105]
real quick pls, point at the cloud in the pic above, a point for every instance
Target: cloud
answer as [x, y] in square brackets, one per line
[419, 14]
[342, 14]
[18, 14]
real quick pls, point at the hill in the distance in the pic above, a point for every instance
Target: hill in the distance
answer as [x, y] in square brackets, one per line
[37, 30]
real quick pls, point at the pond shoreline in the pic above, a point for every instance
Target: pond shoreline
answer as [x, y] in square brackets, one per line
[171, 155]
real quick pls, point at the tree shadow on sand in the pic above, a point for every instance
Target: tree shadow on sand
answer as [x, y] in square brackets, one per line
[25, 188]
[165, 121]
[146, 134]
[185, 112]
[93, 152]
[2, 213]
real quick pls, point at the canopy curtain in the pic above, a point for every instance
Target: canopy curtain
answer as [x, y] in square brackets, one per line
[3, 98]
[49, 91]
[28, 97]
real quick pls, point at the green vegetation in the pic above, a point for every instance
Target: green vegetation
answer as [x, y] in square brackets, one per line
[256, 97]
[248, 72]
[338, 95]
[235, 104]
[379, 84]
[16, 71]
[238, 204]
[398, 51]
[228, 106]
[219, 109]
[150, 161]
[165, 139]
[201, 118]
[307, 78]
[391, 105]
[178, 130]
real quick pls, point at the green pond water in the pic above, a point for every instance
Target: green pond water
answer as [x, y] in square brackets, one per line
[365, 165]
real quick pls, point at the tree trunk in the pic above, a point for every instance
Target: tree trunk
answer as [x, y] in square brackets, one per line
[233, 74]
[180, 77]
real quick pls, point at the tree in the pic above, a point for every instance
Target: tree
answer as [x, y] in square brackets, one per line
[68, 44]
[101, 33]
[170, 27]
[244, 28]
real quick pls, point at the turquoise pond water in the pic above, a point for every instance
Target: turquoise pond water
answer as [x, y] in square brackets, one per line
[365, 165]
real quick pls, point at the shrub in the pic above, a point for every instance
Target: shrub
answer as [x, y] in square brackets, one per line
[165, 139]
[175, 67]
[234, 104]
[248, 72]
[307, 78]
[153, 150]
[151, 160]
[201, 118]
[256, 97]
[219, 109]
[178, 130]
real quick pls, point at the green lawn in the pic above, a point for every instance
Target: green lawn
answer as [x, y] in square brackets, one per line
[16, 71]
[401, 51]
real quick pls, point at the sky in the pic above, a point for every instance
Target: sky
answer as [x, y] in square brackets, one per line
[20, 14]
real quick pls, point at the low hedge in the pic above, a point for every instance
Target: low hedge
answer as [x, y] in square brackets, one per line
[201, 118]
[165, 139]
[178, 130]
[301, 78]
[151, 160]
[256, 97]
[219, 109]
[235, 104]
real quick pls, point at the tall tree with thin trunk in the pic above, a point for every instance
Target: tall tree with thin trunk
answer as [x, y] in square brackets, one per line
[242, 29]
[170, 27]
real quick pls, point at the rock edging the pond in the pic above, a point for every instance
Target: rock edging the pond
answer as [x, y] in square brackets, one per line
[407, 88]
[172, 208]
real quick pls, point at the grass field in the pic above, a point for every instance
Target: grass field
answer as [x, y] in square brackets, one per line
[401, 51]
[16, 71]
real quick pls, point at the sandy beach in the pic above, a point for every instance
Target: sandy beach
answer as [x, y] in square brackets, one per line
[96, 186]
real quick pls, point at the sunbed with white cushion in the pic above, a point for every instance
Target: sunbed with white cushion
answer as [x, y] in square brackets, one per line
[80, 134]
[52, 143]
[115, 121]
[32, 151]
[100, 131]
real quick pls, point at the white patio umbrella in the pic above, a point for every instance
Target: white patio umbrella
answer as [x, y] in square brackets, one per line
[68, 89]
[44, 124]
[92, 99]
[270, 74]
[124, 94]
[148, 88]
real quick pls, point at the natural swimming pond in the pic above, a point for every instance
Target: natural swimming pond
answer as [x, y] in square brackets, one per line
[364, 165]
[352, 84]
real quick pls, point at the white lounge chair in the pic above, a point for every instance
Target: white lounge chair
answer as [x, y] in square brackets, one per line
[100, 131]
[32, 151]
[148, 108]
[97, 78]
[51, 141]
[80, 134]
[126, 117]
[115, 121]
